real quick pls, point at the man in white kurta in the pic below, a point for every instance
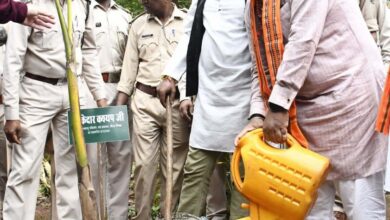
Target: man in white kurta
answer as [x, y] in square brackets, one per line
[222, 104]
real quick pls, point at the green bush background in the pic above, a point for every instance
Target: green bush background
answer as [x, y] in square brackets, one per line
[135, 7]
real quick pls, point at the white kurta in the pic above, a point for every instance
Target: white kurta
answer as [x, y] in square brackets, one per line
[222, 104]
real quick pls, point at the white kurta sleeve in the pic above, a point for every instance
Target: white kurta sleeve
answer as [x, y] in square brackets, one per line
[257, 103]
[177, 65]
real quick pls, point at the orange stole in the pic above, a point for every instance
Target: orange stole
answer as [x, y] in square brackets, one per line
[383, 118]
[272, 45]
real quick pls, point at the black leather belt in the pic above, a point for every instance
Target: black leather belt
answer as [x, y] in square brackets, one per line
[152, 90]
[52, 81]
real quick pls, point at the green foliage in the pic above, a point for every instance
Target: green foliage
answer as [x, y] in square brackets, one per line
[135, 7]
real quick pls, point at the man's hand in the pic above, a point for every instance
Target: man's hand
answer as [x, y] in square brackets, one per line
[275, 126]
[12, 130]
[121, 98]
[254, 123]
[166, 88]
[101, 103]
[186, 109]
[38, 18]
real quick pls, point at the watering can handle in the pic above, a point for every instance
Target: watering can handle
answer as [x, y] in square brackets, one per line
[291, 141]
[236, 158]
[235, 167]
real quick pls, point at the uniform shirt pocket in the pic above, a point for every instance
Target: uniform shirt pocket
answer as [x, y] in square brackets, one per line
[100, 37]
[173, 36]
[148, 46]
[46, 39]
[78, 32]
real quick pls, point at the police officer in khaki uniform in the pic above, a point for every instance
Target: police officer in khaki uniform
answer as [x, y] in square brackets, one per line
[111, 29]
[40, 99]
[3, 144]
[152, 40]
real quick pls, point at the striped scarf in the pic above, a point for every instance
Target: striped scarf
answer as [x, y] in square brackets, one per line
[383, 118]
[266, 30]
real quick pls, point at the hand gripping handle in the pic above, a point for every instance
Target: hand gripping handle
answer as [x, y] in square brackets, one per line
[247, 140]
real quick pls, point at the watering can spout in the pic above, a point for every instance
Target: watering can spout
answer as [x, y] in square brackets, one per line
[279, 184]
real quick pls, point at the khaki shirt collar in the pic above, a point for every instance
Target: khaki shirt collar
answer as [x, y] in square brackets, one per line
[112, 5]
[176, 14]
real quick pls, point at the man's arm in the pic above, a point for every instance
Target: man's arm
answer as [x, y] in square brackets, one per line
[129, 69]
[307, 23]
[12, 11]
[384, 31]
[186, 103]
[177, 65]
[90, 62]
[13, 64]
[16, 48]
[257, 106]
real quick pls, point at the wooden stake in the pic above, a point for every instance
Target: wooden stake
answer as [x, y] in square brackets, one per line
[169, 180]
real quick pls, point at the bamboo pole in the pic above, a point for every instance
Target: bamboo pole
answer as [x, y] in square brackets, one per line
[169, 180]
[86, 190]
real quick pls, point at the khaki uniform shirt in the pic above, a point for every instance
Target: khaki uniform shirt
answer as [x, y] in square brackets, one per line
[43, 53]
[149, 47]
[111, 27]
[377, 17]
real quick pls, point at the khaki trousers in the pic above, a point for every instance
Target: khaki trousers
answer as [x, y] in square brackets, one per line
[216, 197]
[3, 160]
[149, 142]
[197, 172]
[42, 105]
[117, 157]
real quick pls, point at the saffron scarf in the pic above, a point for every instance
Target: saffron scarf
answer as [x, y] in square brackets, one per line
[267, 37]
[383, 118]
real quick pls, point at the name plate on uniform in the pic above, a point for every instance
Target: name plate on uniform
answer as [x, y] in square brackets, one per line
[107, 124]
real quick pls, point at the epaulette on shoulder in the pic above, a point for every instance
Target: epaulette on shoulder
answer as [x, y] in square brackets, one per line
[136, 17]
[123, 9]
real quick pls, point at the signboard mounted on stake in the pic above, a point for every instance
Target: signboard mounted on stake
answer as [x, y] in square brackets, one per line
[108, 124]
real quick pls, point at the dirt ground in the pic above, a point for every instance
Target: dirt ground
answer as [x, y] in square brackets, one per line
[43, 209]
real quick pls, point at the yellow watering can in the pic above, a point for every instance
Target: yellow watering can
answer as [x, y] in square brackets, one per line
[280, 184]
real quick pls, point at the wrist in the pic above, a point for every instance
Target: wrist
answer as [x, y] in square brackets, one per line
[121, 99]
[260, 116]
